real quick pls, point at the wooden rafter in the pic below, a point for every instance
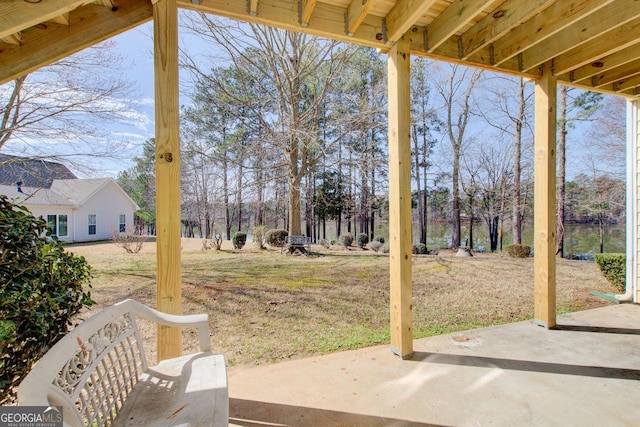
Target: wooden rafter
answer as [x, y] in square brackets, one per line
[590, 26]
[449, 22]
[403, 16]
[498, 22]
[616, 75]
[306, 9]
[606, 63]
[549, 24]
[607, 43]
[252, 7]
[90, 24]
[18, 15]
[358, 10]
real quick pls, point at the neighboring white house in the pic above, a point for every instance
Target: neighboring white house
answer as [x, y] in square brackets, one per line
[78, 210]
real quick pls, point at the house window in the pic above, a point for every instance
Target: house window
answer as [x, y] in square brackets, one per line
[52, 223]
[92, 224]
[123, 223]
[62, 225]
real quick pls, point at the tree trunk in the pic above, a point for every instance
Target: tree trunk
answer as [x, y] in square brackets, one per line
[517, 170]
[561, 152]
[455, 203]
[422, 229]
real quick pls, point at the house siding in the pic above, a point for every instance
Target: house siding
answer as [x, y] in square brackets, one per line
[43, 211]
[107, 205]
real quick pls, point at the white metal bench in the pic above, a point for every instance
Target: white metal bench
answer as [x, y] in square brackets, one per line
[297, 243]
[98, 373]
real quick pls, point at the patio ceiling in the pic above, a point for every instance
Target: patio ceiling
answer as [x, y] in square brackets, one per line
[593, 44]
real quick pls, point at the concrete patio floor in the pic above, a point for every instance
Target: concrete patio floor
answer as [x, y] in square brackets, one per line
[585, 373]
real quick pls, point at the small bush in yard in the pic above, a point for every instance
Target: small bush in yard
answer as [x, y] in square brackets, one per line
[346, 239]
[324, 243]
[518, 251]
[363, 239]
[239, 239]
[614, 268]
[379, 239]
[376, 246]
[41, 290]
[129, 241]
[276, 237]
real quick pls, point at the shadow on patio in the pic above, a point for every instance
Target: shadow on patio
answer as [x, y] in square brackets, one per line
[585, 372]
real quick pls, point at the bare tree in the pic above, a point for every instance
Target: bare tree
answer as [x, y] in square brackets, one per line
[456, 89]
[70, 103]
[507, 112]
[292, 74]
[575, 106]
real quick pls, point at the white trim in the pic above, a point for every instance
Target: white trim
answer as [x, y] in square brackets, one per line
[632, 205]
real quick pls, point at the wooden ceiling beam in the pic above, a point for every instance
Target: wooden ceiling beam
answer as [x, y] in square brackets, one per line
[550, 22]
[498, 22]
[628, 87]
[17, 15]
[617, 74]
[452, 20]
[582, 32]
[625, 86]
[605, 63]
[358, 10]
[605, 44]
[403, 16]
[91, 24]
[252, 7]
[306, 9]
[328, 20]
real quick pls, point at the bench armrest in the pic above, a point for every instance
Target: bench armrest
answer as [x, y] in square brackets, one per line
[199, 321]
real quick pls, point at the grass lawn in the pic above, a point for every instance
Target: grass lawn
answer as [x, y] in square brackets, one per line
[266, 307]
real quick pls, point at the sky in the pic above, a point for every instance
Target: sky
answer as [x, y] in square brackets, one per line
[136, 47]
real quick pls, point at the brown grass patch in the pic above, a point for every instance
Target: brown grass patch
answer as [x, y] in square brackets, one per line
[266, 307]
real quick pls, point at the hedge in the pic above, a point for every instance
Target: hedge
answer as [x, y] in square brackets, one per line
[614, 268]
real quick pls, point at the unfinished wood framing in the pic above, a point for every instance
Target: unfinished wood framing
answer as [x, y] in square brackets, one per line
[400, 199]
[544, 221]
[167, 156]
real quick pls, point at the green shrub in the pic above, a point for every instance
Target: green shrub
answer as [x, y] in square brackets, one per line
[363, 239]
[239, 239]
[614, 268]
[41, 290]
[334, 241]
[379, 239]
[258, 236]
[276, 237]
[346, 239]
[518, 251]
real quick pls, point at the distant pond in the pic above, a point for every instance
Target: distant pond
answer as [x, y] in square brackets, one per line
[582, 241]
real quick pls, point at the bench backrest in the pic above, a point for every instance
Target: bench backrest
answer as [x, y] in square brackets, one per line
[297, 240]
[91, 370]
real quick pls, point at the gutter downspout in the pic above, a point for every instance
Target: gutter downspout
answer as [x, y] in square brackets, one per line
[632, 186]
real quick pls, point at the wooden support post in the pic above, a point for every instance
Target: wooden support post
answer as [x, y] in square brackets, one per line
[545, 199]
[169, 299]
[400, 198]
[633, 199]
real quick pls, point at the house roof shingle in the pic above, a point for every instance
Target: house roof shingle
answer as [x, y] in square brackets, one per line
[33, 173]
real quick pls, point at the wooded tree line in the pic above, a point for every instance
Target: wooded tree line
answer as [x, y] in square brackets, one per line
[289, 131]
